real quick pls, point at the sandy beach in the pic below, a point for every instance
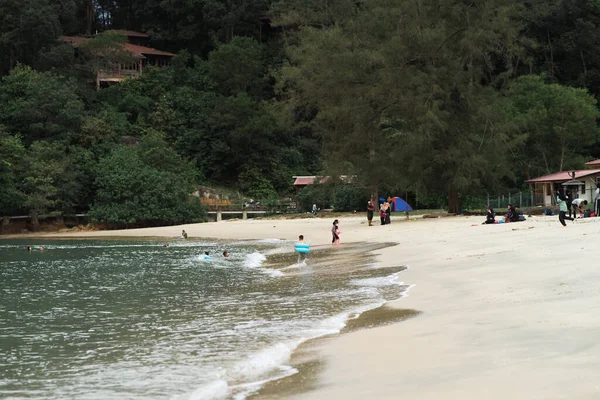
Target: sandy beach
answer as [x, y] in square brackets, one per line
[506, 311]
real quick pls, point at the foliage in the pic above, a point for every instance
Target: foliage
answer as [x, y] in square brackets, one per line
[558, 124]
[132, 191]
[39, 105]
[388, 92]
[438, 98]
[338, 197]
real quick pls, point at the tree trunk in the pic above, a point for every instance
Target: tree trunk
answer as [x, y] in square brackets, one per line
[89, 17]
[35, 223]
[453, 201]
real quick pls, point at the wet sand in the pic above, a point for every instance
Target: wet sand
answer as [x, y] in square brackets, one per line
[505, 311]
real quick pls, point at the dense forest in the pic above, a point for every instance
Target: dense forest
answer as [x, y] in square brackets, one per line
[446, 97]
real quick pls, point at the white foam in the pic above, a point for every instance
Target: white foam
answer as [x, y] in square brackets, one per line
[254, 260]
[214, 390]
[390, 280]
[260, 364]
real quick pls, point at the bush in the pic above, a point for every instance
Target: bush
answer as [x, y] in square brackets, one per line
[340, 198]
[350, 198]
[133, 192]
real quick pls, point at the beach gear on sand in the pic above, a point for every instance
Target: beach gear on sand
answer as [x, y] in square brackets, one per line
[303, 248]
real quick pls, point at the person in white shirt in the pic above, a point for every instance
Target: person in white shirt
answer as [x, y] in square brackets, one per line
[597, 201]
[577, 205]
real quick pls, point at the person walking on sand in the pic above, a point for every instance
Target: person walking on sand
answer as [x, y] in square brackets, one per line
[561, 200]
[314, 210]
[370, 210]
[335, 233]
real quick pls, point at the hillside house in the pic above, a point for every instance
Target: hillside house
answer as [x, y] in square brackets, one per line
[142, 57]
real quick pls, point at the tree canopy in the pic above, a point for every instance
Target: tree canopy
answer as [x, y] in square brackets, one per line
[447, 98]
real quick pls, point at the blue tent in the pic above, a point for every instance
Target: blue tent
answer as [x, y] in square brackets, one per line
[398, 204]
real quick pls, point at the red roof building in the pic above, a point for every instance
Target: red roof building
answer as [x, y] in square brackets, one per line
[301, 182]
[582, 184]
[143, 57]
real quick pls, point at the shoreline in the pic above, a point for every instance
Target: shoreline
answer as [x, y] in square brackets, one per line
[507, 311]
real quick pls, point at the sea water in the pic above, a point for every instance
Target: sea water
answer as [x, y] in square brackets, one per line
[131, 319]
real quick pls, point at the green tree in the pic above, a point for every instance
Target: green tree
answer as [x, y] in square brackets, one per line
[26, 28]
[11, 155]
[405, 87]
[558, 124]
[237, 66]
[129, 191]
[39, 105]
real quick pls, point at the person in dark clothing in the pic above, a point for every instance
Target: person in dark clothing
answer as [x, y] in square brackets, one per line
[490, 217]
[561, 200]
[511, 215]
[388, 214]
[370, 210]
[519, 213]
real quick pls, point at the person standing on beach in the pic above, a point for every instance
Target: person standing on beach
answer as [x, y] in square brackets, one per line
[388, 213]
[370, 210]
[382, 214]
[314, 210]
[597, 200]
[561, 200]
[335, 233]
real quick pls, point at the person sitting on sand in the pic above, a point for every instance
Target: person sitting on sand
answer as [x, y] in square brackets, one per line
[520, 216]
[183, 234]
[490, 217]
[511, 215]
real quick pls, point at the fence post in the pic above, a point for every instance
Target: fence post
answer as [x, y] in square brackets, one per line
[245, 214]
[531, 191]
[520, 199]
[219, 216]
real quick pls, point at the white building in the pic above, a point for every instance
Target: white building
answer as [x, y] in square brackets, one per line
[582, 184]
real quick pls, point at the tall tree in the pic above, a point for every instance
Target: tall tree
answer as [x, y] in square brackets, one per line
[559, 123]
[26, 27]
[405, 86]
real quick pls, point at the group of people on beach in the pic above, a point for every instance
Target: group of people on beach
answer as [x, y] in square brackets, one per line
[565, 204]
[385, 212]
[513, 214]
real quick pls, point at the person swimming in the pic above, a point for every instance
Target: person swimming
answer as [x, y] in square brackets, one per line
[225, 254]
[206, 256]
